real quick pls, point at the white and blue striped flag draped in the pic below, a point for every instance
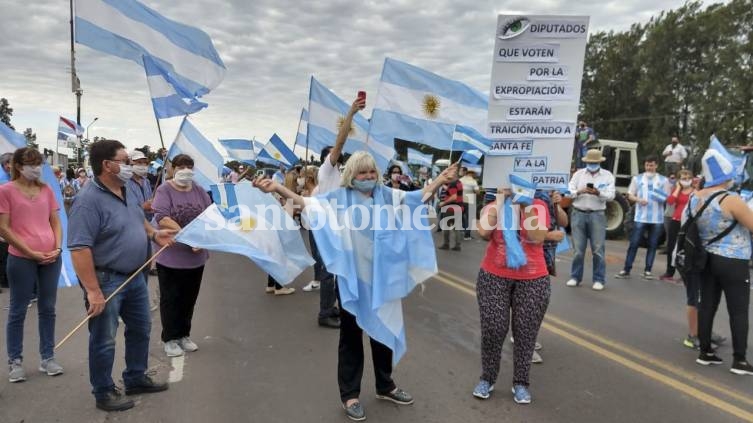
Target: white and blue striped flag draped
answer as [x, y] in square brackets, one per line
[418, 158]
[207, 161]
[466, 138]
[473, 167]
[472, 156]
[68, 130]
[169, 97]
[326, 114]
[130, 30]
[377, 266]
[10, 141]
[248, 222]
[738, 161]
[240, 150]
[276, 149]
[522, 190]
[302, 135]
[416, 105]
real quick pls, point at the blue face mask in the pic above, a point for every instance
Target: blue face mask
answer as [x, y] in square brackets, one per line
[363, 186]
[593, 167]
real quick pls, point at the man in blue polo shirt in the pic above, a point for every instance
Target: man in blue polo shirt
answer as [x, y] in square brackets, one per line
[649, 192]
[108, 237]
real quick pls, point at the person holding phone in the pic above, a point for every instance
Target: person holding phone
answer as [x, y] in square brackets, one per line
[591, 188]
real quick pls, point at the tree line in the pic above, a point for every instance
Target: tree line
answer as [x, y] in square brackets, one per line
[686, 72]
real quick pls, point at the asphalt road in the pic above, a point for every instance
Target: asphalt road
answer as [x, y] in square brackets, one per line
[611, 356]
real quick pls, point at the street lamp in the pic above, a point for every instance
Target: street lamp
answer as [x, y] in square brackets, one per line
[79, 156]
[87, 127]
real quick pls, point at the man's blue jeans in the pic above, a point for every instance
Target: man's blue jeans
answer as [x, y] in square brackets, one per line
[132, 305]
[654, 232]
[589, 226]
[23, 276]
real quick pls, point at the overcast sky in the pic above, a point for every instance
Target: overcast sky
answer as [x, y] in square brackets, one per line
[270, 49]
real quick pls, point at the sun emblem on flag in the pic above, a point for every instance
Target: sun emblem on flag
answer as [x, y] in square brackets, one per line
[245, 223]
[341, 122]
[278, 155]
[431, 106]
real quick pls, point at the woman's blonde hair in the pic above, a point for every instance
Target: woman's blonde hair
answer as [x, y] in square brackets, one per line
[311, 173]
[290, 181]
[360, 161]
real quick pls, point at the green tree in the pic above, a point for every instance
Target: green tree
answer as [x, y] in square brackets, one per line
[5, 112]
[31, 138]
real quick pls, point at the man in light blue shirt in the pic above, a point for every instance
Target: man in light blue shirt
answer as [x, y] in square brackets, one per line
[648, 191]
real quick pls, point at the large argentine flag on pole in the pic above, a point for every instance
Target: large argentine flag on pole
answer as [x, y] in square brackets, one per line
[248, 222]
[416, 105]
[240, 150]
[418, 158]
[277, 149]
[10, 141]
[130, 30]
[377, 266]
[169, 97]
[326, 114]
[207, 161]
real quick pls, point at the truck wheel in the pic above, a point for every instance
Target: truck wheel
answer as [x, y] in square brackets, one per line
[616, 211]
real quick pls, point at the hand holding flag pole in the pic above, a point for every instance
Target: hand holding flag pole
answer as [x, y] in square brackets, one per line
[448, 174]
[120, 288]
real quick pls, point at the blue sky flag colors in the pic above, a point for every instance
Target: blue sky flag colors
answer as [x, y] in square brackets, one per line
[130, 30]
[169, 97]
[207, 161]
[277, 150]
[302, 134]
[738, 161]
[240, 150]
[418, 158]
[275, 246]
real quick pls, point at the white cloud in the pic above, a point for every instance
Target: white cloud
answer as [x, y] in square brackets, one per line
[271, 48]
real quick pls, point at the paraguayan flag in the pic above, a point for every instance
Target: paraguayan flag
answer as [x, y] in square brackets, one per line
[207, 161]
[130, 30]
[416, 105]
[234, 224]
[169, 97]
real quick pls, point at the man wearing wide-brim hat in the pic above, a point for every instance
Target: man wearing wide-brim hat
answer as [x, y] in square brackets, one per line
[591, 188]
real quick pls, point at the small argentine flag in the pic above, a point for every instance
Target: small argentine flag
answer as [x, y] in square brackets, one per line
[472, 156]
[657, 194]
[522, 190]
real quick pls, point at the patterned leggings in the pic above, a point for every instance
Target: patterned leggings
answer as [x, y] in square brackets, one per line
[497, 298]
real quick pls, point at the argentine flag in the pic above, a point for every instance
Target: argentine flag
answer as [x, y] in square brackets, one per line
[522, 190]
[169, 98]
[207, 161]
[472, 156]
[416, 105]
[301, 138]
[472, 167]
[738, 161]
[277, 150]
[418, 158]
[240, 150]
[466, 138]
[326, 114]
[248, 222]
[10, 141]
[130, 30]
[376, 264]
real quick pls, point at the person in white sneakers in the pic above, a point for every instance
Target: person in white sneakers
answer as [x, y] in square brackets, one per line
[591, 188]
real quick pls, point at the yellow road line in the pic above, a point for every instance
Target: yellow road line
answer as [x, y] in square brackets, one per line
[641, 356]
[465, 287]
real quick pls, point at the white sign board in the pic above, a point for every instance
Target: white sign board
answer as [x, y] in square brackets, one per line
[537, 69]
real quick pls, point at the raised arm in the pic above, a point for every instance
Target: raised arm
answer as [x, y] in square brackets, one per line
[447, 175]
[342, 134]
[268, 185]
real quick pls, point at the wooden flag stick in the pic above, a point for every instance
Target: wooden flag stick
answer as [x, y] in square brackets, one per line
[120, 288]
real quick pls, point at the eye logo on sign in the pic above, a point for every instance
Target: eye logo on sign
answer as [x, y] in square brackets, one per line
[341, 122]
[431, 106]
[513, 28]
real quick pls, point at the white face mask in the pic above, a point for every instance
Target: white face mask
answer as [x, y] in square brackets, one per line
[31, 173]
[183, 177]
[301, 181]
[685, 184]
[650, 174]
[140, 170]
[125, 174]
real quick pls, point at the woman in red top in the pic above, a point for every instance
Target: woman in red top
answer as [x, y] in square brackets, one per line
[679, 198]
[506, 289]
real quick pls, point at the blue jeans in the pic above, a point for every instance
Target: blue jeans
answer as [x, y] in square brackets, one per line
[132, 305]
[589, 226]
[24, 278]
[654, 232]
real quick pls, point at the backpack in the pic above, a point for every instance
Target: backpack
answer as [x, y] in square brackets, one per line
[691, 255]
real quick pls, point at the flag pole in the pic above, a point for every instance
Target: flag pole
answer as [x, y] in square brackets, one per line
[120, 288]
[75, 85]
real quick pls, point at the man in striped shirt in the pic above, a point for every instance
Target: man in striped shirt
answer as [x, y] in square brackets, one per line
[649, 192]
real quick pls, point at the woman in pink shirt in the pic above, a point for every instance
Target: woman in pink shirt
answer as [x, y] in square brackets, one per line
[29, 223]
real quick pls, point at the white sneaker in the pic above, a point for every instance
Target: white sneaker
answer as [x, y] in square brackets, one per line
[173, 349]
[187, 344]
[572, 283]
[311, 286]
[51, 367]
[598, 286]
[536, 358]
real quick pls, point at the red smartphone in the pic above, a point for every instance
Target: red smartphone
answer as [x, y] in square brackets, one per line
[361, 96]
